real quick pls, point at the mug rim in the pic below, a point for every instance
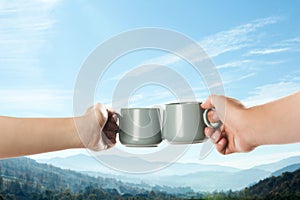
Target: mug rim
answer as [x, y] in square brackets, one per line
[139, 108]
[183, 103]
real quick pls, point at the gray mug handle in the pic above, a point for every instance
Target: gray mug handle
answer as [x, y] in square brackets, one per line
[207, 122]
[118, 121]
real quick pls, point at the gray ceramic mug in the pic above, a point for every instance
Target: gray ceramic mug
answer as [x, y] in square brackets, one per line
[184, 123]
[140, 127]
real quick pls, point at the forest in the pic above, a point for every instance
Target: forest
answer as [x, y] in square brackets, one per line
[23, 178]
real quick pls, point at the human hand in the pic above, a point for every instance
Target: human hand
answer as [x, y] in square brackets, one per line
[97, 128]
[235, 134]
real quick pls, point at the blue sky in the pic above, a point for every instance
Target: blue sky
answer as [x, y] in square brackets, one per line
[255, 46]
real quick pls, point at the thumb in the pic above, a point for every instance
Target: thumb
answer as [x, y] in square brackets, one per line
[101, 114]
[216, 101]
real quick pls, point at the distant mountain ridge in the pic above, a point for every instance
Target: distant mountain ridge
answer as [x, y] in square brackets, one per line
[28, 171]
[23, 178]
[272, 167]
[214, 181]
[50, 177]
[91, 164]
[179, 174]
[290, 168]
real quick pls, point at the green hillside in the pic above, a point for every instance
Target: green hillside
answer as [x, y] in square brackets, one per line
[285, 186]
[23, 178]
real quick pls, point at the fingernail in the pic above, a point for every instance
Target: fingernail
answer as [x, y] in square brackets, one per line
[205, 130]
[115, 117]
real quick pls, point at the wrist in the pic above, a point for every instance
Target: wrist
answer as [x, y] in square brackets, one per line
[75, 141]
[255, 126]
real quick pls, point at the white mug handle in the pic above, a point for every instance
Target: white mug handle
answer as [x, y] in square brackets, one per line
[207, 122]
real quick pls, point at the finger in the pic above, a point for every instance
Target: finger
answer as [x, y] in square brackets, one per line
[213, 116]
[108, 142]
[112, 119]
[111, 142]
[111, 126]
[217, 101]
[208, 131]
[111, 113]
[222, 128]
[103, 115]
[216, 136]
[209, 102]
[221, 146]
[228, 151]
[110, 134]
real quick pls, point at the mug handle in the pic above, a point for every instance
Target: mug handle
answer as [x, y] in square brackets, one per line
[118, 120]
[207, 122]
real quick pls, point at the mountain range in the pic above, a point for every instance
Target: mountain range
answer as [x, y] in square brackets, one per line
[24, 178]
[290, 168]
[214, 177]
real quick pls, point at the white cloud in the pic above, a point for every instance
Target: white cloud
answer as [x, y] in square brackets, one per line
[233, 64]
[157, 96]
[224, 41]
[217, 44]
[291, 42]
[270, 92]
[235, 38]
[244, 77]
[267, 51]
[232, 78]
[24, 28]
[37, 102]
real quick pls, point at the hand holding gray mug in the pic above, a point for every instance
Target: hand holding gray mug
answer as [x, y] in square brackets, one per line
[182, 123]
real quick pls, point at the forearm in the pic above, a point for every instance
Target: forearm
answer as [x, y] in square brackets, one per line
[26, 136]
[277, 122]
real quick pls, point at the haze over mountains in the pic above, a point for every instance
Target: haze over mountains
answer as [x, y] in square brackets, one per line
[215, 177]
[24, 178]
